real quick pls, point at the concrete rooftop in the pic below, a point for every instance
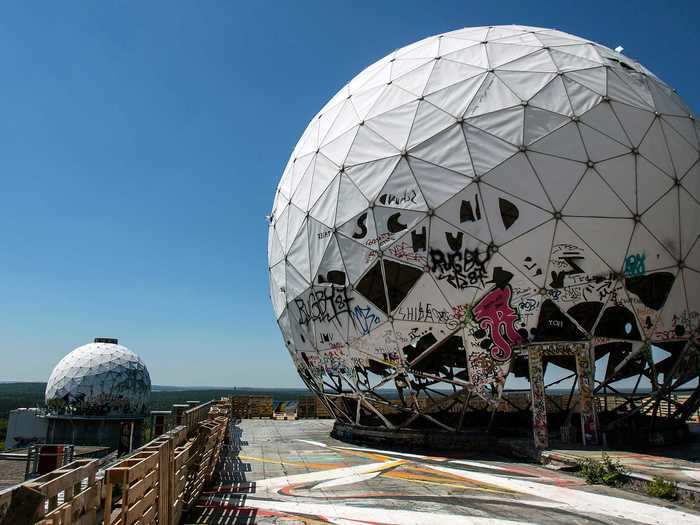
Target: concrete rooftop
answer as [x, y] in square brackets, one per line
[294, 472]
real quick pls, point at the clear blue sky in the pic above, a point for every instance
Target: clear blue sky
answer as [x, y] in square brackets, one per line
[141, 143]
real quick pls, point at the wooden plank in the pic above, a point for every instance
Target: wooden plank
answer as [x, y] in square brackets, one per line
[150, 516]
[141, 487]
[132, 468]
[108, 504]
[59, 480]
[166, 479]
[21, 503]
[137, 510]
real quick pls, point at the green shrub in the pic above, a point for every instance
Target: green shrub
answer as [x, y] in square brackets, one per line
[660, 488]
[604, 472]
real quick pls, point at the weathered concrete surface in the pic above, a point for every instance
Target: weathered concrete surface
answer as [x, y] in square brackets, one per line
[643, 467]
[293, 472]
[11, 472]
[682, 470]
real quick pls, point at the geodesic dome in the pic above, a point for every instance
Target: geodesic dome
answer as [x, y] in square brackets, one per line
[478, 191]
[99, 379]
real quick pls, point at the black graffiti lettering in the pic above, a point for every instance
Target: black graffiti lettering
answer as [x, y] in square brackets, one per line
[427, 313]
[390, 199]
[393, 224]
[437, 261]
[575, 269]
[324, 305]
[419, 241]
[361, 224]
[509, 212]
[455, 241]
[532, 267]
[467, 213]
[461, 269]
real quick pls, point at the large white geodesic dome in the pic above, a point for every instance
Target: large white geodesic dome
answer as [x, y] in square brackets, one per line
[476, 191]
[99, 379]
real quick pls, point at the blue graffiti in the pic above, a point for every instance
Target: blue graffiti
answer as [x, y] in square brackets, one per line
[635, 265]
[365, 318]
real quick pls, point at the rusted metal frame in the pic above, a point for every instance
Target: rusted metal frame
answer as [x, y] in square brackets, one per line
[462, 384]
[450, 398]
[376, 397]
[465, 404]
[622, 364]
[438, 423]
[368, 405]
[571, 393]
[415, 414]
[507, 400]
[685, 410]
[644, 403]
[336, 409]
[550, 385]
[654, 396]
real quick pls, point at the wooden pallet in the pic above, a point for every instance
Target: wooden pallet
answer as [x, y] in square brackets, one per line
[67, 496]
[251, 406]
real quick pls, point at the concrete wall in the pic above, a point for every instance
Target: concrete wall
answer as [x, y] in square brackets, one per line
[96, 432]
[25, 428]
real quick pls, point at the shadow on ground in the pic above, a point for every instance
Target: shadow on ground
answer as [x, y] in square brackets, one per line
[223, 501]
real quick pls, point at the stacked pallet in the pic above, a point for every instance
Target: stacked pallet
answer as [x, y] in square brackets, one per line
[251, 406]
[67, 496]
[165, 477]
[311, 407]
[138, 482]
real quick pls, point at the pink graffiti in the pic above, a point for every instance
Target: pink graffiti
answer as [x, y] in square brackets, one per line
[494, 313]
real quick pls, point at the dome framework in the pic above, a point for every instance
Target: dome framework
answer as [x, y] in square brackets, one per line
[100, 379]
[487, 204]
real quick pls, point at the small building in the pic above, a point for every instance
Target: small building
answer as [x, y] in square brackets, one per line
[25, 427]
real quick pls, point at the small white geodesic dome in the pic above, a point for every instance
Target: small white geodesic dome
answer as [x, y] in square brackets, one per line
[478, 190]
[99, 379]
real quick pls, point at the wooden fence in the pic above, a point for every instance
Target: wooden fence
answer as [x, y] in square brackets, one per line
[154, 485]
[69, 495]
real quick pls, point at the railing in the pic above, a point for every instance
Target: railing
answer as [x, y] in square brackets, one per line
[155, 485]
[196, 415]
[69, 495]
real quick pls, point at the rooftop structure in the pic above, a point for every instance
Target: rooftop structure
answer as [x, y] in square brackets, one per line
[99, 379]
[98, 395]
[485, 204]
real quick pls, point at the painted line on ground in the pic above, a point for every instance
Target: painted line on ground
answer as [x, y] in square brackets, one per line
[585, 502]
[375, 515]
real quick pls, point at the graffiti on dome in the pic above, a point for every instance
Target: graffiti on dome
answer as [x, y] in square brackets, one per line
[459, 268]
[325, 305]
[411, 248]
[635, 264]
[366, 318]
[427, 313]
[399, 199]
[497, 318]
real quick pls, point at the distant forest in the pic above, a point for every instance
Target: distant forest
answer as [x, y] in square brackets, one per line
[16, 395]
